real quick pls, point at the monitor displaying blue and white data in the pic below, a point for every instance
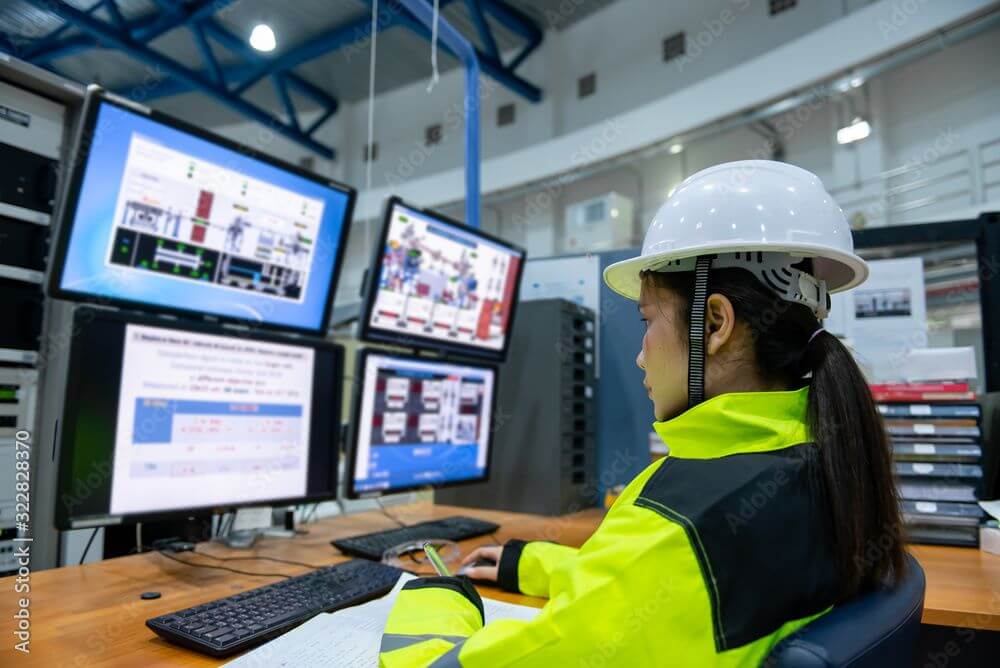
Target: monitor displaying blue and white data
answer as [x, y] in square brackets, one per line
[420, 422]
[439, 284]
[167, 419]
[166, 217]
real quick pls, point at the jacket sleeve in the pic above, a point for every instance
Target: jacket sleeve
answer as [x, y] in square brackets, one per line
[526, 568]
[600, 610]
[431, 618]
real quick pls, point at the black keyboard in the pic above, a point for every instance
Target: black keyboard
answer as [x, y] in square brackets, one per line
[373, 545]
[233, 624]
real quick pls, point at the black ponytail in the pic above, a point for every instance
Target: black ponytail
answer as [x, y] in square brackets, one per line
[857, 468]
[853, 466]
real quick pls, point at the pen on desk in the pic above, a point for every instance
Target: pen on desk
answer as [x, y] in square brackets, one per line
[435, 560]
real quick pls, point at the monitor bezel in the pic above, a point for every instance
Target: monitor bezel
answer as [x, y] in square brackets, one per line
[94, 99]
[352, 438]
[366, 332]
[64, 520]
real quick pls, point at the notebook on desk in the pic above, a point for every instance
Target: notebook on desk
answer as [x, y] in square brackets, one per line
[350, 638]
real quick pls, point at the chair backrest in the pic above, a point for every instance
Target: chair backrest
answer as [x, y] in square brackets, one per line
[878, 629]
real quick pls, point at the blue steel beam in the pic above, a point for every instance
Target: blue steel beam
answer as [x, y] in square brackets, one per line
[286, 100]
[485, 34]
[143, 29]
[170, 87]
[114, 13]
[333, 40]
[240, 47]
[513, 19]
[107, 35]
[467, 55]
[206, 54]
[53, 39]
[490, 66]
[323, 118]
[493, 68]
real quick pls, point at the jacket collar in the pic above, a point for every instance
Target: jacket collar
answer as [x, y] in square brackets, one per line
[738, 422]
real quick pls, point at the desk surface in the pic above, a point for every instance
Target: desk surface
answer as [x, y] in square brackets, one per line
[87, 615]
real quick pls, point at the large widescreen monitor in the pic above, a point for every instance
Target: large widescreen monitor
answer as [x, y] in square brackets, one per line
[438, 284]
[161, 420]
[419, 422]
[162, 215]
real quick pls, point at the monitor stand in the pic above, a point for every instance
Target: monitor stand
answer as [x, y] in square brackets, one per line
[240, 540]
[120, 540]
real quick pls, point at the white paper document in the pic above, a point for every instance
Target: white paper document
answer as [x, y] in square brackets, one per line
[350, 638]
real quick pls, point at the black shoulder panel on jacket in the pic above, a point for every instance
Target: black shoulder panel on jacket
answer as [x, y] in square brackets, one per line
[761, 532]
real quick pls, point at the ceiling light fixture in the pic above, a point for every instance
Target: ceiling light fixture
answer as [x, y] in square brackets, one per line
[856, 131]
[262, 38]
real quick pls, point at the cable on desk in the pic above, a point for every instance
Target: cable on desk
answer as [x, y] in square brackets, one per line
[221, 568]
[281, 561]
[388, 514]
[89, 541]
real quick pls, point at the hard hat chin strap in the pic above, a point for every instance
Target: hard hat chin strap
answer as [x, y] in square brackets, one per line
[696, 332]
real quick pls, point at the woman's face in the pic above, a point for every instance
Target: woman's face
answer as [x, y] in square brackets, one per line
[664, 355]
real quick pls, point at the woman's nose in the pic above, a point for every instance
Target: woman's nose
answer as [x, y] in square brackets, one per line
[640, 360]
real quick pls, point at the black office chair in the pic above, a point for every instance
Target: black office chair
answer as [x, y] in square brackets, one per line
[879, 629]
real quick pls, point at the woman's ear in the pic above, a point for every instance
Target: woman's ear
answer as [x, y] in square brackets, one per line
[720, 321]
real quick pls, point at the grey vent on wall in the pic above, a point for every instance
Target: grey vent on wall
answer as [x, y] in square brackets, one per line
[506, 114]
[370, 152]
[432, 135]
[673, 46]
[586, 85]
[778, 6]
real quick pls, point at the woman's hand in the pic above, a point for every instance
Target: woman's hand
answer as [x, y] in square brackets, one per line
[488, 573]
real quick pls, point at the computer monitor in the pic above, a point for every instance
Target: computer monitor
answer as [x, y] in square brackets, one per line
[419, 422]
[438, 284]
[161, 420]
[163, 215]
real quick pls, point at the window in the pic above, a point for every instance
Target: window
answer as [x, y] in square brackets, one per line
[432, 135]
[370, 153]
[778, 6]
[506, 114]
[673, 47]
[586, 85]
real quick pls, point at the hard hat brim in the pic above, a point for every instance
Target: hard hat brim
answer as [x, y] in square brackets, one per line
[841, 271]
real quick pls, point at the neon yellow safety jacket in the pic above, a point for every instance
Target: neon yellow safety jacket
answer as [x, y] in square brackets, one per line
[710, 556]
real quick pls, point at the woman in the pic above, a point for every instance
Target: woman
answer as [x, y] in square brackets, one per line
[776, 501]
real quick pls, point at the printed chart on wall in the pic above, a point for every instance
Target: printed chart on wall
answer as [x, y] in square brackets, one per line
[883, 318]
[231, 415]
[441, 282]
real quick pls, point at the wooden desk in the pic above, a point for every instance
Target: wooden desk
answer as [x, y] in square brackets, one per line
[88, 615]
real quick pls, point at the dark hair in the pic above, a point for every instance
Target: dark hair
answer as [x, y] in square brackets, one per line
[854, 464]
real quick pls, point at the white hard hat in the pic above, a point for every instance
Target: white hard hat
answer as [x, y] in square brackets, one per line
[780, 212]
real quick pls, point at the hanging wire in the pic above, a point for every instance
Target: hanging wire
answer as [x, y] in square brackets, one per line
[435, 76]
[371, 97]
